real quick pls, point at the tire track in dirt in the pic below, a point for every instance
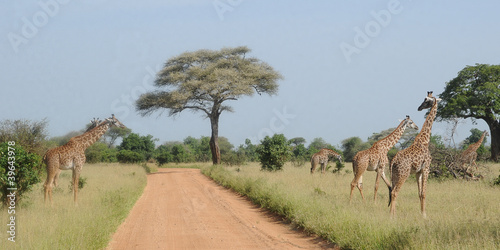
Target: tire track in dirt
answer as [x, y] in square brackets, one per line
[183, 209]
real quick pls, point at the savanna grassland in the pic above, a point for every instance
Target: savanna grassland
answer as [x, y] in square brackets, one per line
[460, 214]
[105, 200]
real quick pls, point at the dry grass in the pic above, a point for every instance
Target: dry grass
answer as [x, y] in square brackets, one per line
[103, 203]
[461, 215]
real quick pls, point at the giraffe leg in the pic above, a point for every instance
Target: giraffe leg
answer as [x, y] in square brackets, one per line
[422, 187]
[48, 185]
[377, 179]
[323, 167]
[76, 177]
[56, 177]
[313, 166]
[358, 180]
[397, 182]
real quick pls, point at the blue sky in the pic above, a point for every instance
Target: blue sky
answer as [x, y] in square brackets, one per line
[351, 68]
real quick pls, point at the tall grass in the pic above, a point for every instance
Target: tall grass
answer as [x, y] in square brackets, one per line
[461, 215]
[103, 203]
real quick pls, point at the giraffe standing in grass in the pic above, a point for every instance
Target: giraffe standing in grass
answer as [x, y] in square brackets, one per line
[72, 155]
[468, 157]
[415, 158]
[375, 158]
[93, 123]
[322, 158]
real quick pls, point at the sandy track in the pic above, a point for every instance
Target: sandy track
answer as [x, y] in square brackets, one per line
[183, 209]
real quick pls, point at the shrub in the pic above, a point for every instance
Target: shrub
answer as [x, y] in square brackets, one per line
[81, 183]
[273, 152]
[18, 169]
[99, 152]
[233, 159]
[128, 156]
[496, 181]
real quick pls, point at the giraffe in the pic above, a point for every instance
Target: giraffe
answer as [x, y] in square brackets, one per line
[72, 156]
[415, 158]
[322, 158]
[93, 123]
[469, 155]
[375, 158]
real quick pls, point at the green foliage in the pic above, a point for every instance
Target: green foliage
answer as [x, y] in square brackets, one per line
[474, 93]
[129, 156]
[144, 145]
[31, 135]
[249, 151]
[100, 152]
[82, 181]
[18, 169]
[497, 181]
[233, 158]
[273, 152]
[351, 146]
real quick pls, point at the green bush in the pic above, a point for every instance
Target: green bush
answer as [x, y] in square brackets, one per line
[496, 181]
[81, 183]
[128, 156]
[273, 152]
[19, 169]
[100, 152]
[233, 159]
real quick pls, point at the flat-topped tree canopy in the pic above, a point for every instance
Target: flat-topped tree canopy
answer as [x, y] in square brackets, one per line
[203, 80]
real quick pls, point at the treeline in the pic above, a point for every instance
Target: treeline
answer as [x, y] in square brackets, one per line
[135, 148]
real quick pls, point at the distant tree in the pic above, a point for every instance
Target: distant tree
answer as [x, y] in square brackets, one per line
[114, 133]
[204, 81]
[31, 135]
[100, 152]
[273, 152]
[351, 146]
[144, 145]
[248, 150]
[317, 144]
[297, 141]
[475, 93]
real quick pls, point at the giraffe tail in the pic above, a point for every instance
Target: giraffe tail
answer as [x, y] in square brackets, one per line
[390, 197]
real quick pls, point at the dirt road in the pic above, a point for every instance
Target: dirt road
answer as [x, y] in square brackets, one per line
[183, 209]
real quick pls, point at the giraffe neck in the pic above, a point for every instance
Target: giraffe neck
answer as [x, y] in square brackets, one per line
[331, 152]
[424, 136]
[476, 145]
[389, 141]
[90, 137]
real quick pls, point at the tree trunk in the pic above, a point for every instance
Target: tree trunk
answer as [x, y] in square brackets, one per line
[495, 140]
[214, 139]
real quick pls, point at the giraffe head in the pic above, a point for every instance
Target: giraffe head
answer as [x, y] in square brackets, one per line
[428, 101]
[93, 123]
[114, 122]
[410, 124]
[486, 133]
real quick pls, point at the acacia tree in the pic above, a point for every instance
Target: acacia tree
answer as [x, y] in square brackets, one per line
[475, 93]
[204, 80]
